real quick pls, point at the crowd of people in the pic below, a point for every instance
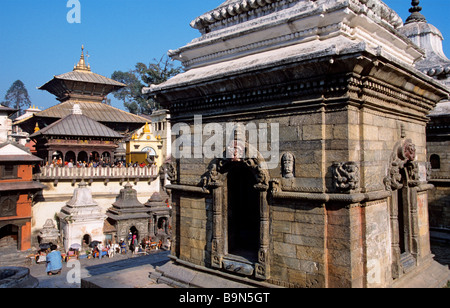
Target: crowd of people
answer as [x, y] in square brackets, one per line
[54, 258]
[58, 162]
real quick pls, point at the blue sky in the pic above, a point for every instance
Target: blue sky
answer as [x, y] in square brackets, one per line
[37, 42]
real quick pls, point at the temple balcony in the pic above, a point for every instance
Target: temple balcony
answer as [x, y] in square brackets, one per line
[121, 174]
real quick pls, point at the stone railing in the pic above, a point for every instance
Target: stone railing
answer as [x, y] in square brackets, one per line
[97, 173]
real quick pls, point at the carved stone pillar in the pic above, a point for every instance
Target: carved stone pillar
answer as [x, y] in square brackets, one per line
[217, 237]
[262, 268]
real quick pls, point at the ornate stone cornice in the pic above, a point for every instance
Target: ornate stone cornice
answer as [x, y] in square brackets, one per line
[233, 10]
[228, 34]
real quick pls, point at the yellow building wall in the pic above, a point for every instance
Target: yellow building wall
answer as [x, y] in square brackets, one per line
[140, 144]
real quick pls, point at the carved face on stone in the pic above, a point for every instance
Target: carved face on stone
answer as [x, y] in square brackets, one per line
[287, 165]
[409, 150]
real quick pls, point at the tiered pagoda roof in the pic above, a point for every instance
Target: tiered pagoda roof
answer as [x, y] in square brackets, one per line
[77, 124]
[127, 206]
[89, 90]
[80, 82]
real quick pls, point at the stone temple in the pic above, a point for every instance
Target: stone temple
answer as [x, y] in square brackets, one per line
[333, 192]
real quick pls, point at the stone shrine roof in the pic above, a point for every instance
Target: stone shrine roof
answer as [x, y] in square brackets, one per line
[435, 63]
[442, 109]
[82, 207]
[262, 34]
[127, 206]
[234, 9]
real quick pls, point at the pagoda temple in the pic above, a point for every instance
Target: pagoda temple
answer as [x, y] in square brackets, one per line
[75, 138]
[89, 90]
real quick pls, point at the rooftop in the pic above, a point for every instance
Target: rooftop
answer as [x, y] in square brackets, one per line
[97, 111]
[63, 85]
[77, 124]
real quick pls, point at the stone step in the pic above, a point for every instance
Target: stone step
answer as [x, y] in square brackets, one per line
[14, 258]
[432, 275]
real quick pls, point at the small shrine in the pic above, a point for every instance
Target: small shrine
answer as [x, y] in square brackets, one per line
[81, 220]
[160, 216]
[342, 199]
[49, 233]
[127, 215]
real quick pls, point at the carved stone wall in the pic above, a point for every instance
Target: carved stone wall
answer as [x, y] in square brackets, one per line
[340, 108]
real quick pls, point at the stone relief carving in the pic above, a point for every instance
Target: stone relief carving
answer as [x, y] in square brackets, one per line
[394, 179]
[172, 172]
[219, 166]
[403, 157]
[287, 165]
[345, 176]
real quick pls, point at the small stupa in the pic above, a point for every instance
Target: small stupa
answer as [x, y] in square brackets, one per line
[81, 218]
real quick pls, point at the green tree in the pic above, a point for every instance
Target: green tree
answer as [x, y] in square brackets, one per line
[142, 75]
[17, 96]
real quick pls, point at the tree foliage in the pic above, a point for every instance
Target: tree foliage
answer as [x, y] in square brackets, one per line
[17, 96]
[143, 76]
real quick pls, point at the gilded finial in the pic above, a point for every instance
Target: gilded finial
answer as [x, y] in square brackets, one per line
[82, 65]
[36, 128]
[146, 128]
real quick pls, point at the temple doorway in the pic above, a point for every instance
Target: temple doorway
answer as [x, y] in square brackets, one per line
[86, 240]
[243, 214]
[9, 236]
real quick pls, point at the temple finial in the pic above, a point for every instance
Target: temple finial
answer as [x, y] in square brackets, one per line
[82, 65]
[415, 16]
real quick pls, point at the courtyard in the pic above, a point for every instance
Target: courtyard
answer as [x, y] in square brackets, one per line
[120, 271]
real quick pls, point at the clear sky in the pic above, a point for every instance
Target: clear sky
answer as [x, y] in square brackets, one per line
[37, 41]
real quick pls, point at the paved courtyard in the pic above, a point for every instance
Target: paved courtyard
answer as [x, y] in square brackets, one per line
[130, 271]
[125, 271]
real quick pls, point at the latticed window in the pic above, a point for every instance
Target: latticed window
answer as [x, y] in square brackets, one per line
[8, 205]
[8, 171]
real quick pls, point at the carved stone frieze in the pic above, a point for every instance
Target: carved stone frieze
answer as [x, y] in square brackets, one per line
[220, 166]
[345, 176]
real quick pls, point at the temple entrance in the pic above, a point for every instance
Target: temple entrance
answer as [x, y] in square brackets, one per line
[86, 240]
[162, 224]
[401, 221]
[243, 214]
[134, 240]
[9, 236]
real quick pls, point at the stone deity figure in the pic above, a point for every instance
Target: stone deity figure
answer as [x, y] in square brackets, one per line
[287, 165]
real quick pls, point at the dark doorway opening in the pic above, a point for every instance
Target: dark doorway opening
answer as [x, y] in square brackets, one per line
[9, 237]
[243, 214]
